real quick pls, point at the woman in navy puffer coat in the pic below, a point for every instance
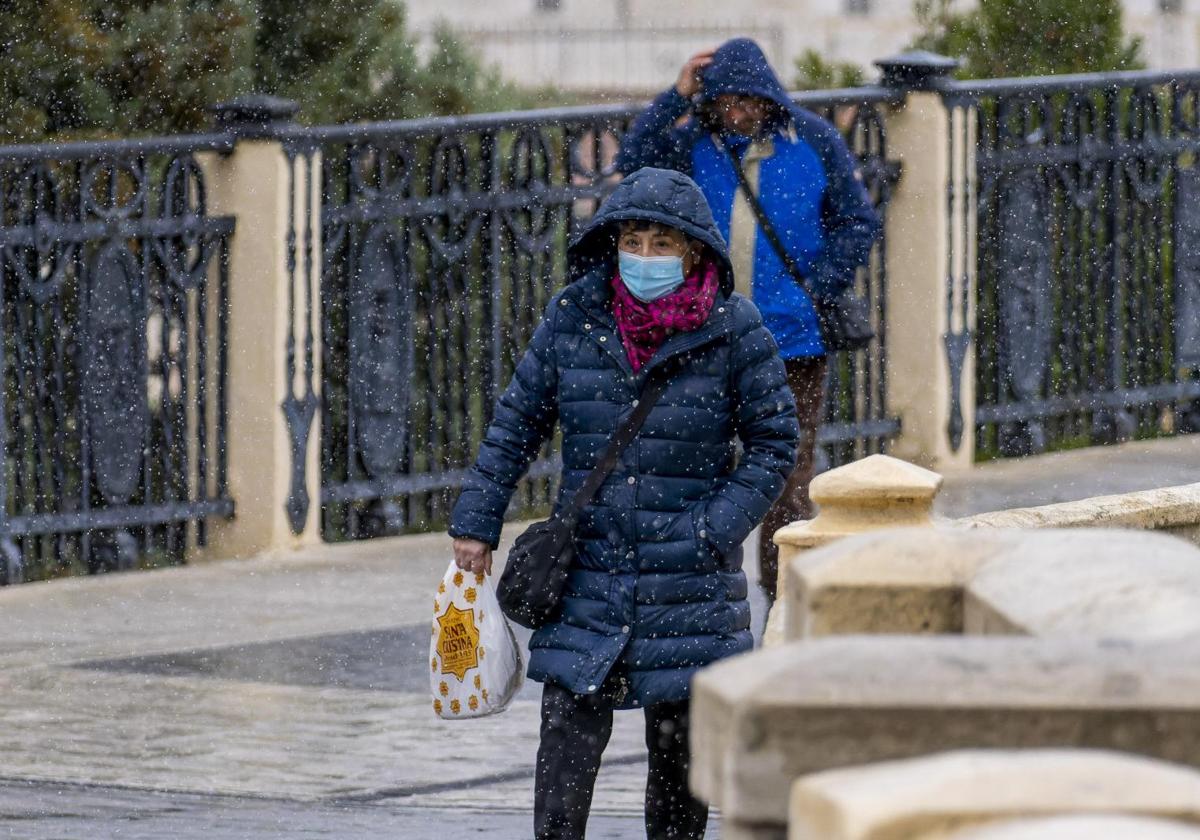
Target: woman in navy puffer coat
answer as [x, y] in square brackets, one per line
[657, 589]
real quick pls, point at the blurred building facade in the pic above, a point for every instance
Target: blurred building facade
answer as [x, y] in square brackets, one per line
[636, 46]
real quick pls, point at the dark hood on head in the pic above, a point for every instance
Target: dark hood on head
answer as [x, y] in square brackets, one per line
[651, 195]
[740, 67]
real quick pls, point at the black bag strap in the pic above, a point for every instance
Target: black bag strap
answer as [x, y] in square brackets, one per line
[655, 384]
[764, 221]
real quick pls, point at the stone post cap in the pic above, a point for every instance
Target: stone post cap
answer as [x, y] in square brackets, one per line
[875, 492]
[254, 115]
[878, 479]
[915, 69]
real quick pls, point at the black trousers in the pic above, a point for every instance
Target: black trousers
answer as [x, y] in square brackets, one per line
[575, 731]
[806, 376]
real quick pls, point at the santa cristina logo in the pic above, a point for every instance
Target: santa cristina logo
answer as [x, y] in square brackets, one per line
[458, 642]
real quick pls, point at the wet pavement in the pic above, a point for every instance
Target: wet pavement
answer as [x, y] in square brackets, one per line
[287, 696]
[42, 811]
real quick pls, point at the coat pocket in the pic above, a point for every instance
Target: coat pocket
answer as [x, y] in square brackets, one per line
[707, 554]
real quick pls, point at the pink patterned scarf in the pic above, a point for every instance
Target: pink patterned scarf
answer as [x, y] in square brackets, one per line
[645, 326]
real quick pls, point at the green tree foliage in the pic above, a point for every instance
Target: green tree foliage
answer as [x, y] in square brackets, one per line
[82, 68]
[361, 63]
[1001, 38]
[813, 72]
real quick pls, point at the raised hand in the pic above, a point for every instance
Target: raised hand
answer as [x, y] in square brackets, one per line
[688, 84]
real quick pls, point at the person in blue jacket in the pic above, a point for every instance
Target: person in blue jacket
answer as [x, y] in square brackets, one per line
[656, 589]
[811, 189]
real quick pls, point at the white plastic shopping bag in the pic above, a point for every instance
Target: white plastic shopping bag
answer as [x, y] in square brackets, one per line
[474, 656]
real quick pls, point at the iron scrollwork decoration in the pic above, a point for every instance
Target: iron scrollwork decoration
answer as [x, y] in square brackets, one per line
[1187, 268]
[112, 416]
[1084, 268]
[956, 344]
[299, 406]
[857, 421]
[1187, 287]
[379, 314]
[113, 364]
[1023, 288]
[956, 341]
[442, 242]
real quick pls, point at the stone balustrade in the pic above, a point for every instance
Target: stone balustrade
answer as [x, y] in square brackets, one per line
[1000, 638]
[763, 720]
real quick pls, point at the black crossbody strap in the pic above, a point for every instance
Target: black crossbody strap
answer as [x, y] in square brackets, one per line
[764, 221]
[655, 384]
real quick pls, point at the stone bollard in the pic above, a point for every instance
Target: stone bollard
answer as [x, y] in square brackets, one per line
[874, 493]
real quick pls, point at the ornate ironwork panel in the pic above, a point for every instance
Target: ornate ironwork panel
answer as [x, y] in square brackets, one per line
[857, 420]
[300, 403]
[114, 372]
[1187, 268]
[1023, 293]
[1086, 278]
[442, 242]
[112, 418]
[379, 314]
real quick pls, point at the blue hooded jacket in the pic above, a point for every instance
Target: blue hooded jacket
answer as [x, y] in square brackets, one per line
[811, 188]
[656, 589]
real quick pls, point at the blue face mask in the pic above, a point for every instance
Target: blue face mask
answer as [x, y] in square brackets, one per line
[649, 278]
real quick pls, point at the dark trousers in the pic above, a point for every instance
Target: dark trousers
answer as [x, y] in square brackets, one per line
[806, 377]
[575, 731]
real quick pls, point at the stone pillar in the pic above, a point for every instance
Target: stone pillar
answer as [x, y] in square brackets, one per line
[273, 316]
[930, 256]
[868, 495]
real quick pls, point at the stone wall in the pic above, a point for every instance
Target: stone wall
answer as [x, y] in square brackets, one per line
[1172, 510]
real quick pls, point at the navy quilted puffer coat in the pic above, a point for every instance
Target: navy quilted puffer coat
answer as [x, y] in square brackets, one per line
[657, 590]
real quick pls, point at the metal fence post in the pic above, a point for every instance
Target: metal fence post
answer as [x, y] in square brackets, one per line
[930, 235]
[273, 321]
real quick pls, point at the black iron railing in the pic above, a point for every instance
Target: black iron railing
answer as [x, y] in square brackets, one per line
[1087, 275]
[442, 242]
[112, 406]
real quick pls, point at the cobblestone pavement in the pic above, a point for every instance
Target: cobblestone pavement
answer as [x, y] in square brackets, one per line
[286, 696]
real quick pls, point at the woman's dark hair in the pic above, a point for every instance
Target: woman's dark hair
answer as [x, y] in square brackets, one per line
[640, 225]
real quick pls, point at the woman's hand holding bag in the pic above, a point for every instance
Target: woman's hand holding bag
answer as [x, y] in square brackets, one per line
[475, 662]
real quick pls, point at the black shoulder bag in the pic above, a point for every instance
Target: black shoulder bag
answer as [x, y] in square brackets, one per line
[531, 587]
[845, 321]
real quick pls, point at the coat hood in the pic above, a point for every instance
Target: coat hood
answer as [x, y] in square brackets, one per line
[652, 195]
[740, 67]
